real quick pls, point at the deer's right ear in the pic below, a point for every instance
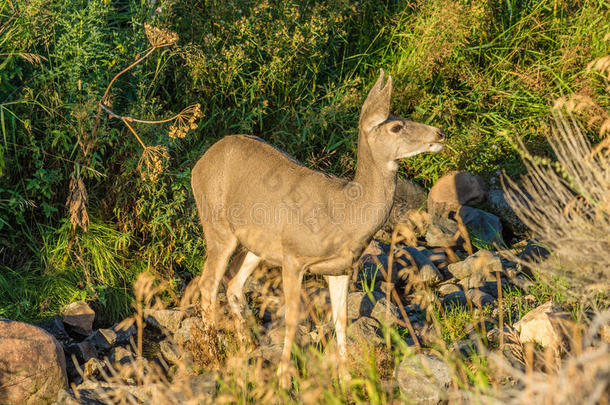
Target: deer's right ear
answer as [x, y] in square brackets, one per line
[376, 107]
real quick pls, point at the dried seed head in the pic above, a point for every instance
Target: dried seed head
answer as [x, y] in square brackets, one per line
[77, 203]
[185, 121]
[158, 37]
[151, 162]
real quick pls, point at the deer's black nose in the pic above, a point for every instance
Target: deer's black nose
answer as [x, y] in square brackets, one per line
[441, 134]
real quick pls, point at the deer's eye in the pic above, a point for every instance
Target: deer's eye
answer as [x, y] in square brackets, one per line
[396, 128]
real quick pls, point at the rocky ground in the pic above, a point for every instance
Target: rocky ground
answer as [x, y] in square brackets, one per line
[445, 254]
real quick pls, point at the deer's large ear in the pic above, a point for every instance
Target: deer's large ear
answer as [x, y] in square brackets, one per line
[376, 107]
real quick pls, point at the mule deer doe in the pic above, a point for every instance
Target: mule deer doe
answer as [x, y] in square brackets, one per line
[251, 194]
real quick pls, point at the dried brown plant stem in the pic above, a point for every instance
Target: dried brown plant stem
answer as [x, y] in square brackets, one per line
[128, 68]
[133, 132]
[500, 309]
[131, 119]
[105, 96]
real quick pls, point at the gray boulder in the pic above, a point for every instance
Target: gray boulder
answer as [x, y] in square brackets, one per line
[427, 271]
[365, 329]
[385, 312]
[482, 226]
[164, 319]
[481, 264]
[361, 304]
[499, 206]
[423, 379]
[454, 190]
[32, 364]
[79, 316]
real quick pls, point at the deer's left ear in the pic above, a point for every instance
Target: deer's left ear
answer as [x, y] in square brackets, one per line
[376, 108]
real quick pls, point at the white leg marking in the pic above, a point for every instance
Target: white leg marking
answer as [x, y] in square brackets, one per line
[338, 286]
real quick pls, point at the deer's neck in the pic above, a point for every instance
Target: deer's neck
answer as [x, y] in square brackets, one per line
[375, 180]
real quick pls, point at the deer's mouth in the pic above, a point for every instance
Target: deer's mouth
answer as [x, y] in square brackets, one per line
[435, 147]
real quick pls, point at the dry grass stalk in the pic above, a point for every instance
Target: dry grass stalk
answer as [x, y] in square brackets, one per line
[31, 58]
[583, 377]
[566, 203]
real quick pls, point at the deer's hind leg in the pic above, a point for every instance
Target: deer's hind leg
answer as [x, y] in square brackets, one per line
[220, 247]
[235, 295]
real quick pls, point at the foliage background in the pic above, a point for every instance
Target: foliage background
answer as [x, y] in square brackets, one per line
[294, 72]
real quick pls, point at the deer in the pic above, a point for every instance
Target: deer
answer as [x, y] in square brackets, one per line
[252, 195]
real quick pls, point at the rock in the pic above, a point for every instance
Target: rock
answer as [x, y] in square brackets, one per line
[483, 264]
[543, 325]
[275, 332]
[183, 334]
[413, 224]
[170, 351]
[361, 304]
[93, 369]
[365, 329]
[521, 281]
[436, 255]
[55, 327]
[483, 227]
[121, 356]
[275, 335]
[443, 232]
[532, 254]
[424, 298]
[491, 287]
[372, 264]
[479, 298]
[428, 272]
[408, 196]
[83, 351]
[499, 206]
[423, 379]
[454, 190]
[65, 398]
[32, 364]
[188, 389]
[449, 288]
[470, 282]
[124, 334]
[103, 339]
[457, 298]
[164, 319]
[79, 316]
[271, 353]
[193, 389]
[380, 312]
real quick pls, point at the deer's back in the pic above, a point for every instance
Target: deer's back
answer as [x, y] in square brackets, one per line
[266, 197]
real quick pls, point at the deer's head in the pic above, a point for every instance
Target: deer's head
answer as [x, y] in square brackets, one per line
[388, 137]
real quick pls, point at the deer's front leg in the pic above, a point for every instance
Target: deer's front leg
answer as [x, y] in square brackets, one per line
[338, 286]
[292, 277]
